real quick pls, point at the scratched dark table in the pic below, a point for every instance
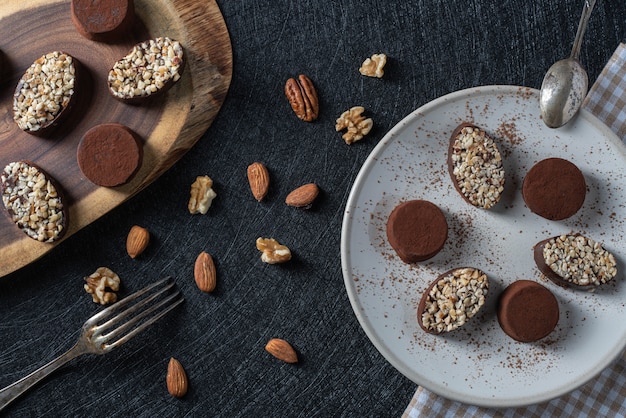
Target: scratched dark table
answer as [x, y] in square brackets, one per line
[434, 47]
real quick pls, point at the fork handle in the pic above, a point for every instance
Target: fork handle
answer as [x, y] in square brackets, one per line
[11, 392]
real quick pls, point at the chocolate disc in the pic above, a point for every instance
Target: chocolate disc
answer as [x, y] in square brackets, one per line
[103, 20]
[109, 154]
[417, 230]
[554, 189]
[527, 311]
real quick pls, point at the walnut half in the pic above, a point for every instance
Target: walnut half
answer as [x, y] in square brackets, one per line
[102, 284]
[272, 252]
[201, 195]
[374, 66]
[355, 124]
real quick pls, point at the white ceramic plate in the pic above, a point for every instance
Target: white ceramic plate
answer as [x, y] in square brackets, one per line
[479, 364]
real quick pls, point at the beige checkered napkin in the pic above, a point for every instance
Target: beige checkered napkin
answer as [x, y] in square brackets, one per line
[604, 396]
[607, 96]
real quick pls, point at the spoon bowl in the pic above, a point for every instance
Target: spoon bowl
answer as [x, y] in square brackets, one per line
[565, 84]
[563, 89]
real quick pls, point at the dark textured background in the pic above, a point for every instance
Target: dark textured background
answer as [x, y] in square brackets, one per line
[434, 47]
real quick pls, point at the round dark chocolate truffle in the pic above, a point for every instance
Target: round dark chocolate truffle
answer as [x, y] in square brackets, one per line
[104, 20]
[527, 311]
[554, 189]
[109, 154]
[417, 230]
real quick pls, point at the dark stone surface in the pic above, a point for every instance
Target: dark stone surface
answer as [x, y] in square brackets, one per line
[434, 47]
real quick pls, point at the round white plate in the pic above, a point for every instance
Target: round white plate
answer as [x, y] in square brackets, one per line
[479, 364]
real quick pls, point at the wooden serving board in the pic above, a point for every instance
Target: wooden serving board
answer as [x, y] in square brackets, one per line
[169, 126]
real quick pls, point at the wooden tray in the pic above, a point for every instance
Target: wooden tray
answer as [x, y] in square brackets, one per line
[169, 127]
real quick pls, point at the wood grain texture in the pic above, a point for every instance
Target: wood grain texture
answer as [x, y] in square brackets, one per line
[169, 126]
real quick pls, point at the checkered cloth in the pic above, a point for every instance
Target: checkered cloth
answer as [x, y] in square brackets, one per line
[604, 396]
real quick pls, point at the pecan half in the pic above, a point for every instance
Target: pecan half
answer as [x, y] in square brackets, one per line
[303, 98]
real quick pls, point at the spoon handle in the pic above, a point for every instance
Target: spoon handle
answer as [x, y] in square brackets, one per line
[582, 25]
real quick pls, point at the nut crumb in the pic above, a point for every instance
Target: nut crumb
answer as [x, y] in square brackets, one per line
[272, 252]
[356, 125]
[202, 195]
[374, 66]
[101, 285]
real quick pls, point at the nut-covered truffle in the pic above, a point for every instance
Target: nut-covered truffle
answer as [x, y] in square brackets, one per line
[452, 299]
[148, 70]
[575, 261]
[34, 201]
[475, 166]
[46, 92]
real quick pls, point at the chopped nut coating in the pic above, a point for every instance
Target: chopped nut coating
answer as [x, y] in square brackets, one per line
[102, 285]
[453, 299]
[149, 68]
[355, 124]
[476, 166]
[202, 195]
[272, 252]
[33, 201]
[374, 66]
[579, 260]
[44, 90]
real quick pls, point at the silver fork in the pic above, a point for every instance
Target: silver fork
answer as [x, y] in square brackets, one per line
[133, 314]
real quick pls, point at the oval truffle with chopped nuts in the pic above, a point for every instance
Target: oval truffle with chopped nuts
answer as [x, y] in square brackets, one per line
[575, 261]
[46, 92]
[34, 201]
[148, 70]
[475, 166]
[452, 299]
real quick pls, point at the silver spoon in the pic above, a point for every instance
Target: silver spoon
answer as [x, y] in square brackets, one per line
[565, 84]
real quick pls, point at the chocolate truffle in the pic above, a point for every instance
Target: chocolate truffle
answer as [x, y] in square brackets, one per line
[575, 261]
[475, 166]
[109, 154]
[527, 311]
[452, 299]
[34, 201]
[147, 71]
[417, 230]
[103, 20]
[38, 107]
[554, 189]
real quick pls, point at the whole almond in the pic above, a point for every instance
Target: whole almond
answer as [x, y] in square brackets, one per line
[282, 350]
[176, 379]
[303, 196]
[137, 241]
[204, 272]
[259, 179]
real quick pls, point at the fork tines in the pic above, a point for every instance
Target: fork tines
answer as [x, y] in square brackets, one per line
[134, 313]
